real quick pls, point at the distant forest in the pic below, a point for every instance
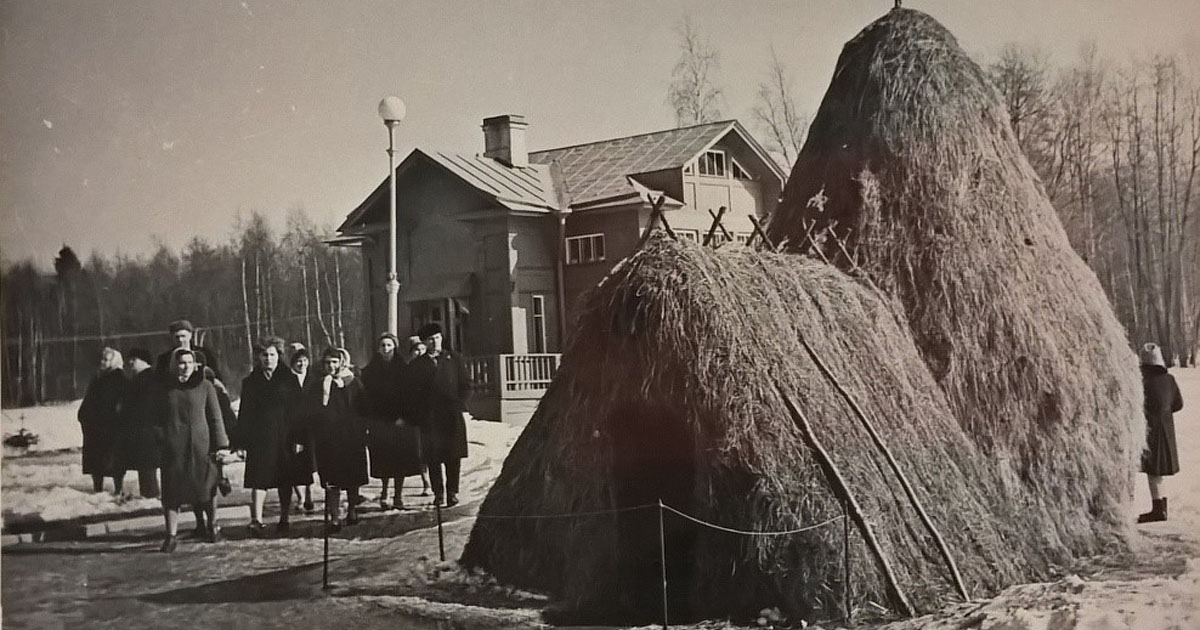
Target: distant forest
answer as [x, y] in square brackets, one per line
[261, 282]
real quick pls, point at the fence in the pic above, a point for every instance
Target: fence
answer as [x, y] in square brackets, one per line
[662, 510]
[508, 374]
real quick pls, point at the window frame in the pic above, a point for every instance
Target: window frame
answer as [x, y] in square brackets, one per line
[538, 314]
[702, 161]
[591, 244]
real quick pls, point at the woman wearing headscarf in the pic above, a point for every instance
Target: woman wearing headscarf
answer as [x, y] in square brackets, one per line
[394, 445]
[99, 418]
[1161, 457]
[193, 440]
[336, 403]
[263, 422]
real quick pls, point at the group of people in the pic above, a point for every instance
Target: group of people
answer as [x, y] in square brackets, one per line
[402, 415]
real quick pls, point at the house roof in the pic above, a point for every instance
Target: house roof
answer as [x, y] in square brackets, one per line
[602, 170]
[585, 176]
[523, 188]
[529, 188]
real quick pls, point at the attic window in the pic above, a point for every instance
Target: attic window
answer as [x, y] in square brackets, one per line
[712, 163]
[737, 171]
[689, 169]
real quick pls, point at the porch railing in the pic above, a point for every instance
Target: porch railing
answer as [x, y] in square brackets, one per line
[512, 374]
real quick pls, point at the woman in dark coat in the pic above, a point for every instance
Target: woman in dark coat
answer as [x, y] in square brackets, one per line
[336, 403]
[394, 445]
[193, 439]
[99, 418]
[140, 433]
[263, 421]
[299, 440]
[1161, 457]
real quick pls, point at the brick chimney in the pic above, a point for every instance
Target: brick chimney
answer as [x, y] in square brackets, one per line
[504, 139]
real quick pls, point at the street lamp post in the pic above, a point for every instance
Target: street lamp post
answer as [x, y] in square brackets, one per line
[392, 110]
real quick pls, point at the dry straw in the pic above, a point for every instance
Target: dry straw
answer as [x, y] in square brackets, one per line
[676, 356]
[912, 155]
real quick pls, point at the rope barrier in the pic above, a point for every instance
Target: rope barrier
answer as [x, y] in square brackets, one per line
[567, 515]
[754, 533]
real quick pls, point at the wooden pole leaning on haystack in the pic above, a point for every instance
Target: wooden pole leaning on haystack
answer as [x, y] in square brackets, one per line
[656, 215]
[759, 232]
[712, 229]
[943, 549]
[842, 490]
[717, 219]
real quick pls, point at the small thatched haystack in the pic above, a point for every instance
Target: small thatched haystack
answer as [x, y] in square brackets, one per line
[912, 155]
[668, 390]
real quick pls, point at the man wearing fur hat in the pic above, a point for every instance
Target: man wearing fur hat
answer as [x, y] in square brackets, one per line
[1161, 457]
[182, 333]
[437, 388]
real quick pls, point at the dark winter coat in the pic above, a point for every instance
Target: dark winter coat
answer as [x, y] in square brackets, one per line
[439, 388]
[140, 432]
[265, 425]
[1161, 456]
[338, 432]
[394, 445]
[193, 430]
[304, 462]
[99, 418]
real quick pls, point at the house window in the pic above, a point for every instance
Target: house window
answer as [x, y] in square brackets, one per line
[737, 171]
[712, 163]
[688, 235]
[741, 237]
[689, 169]
[539, 323]
[583, 249]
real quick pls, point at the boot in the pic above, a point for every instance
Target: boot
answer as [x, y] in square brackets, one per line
[1156, 514]
[169, 544]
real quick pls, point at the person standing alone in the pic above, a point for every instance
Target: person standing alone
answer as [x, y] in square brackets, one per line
[1161, 457]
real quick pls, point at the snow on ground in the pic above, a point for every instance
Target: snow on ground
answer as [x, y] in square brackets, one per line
[55, 425]
[47, 483]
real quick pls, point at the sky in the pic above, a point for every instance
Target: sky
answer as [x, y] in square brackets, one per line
[125, 124]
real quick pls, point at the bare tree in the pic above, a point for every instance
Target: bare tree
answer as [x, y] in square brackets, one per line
[1021, 76]
[693, 91]
[783, 124]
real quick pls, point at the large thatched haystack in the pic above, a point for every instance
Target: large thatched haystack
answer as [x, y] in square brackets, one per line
[913, 158]
[668, 390]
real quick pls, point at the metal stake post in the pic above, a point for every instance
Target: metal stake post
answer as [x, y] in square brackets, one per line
[325, 561]
[662, 557]
[441, 539]
[846, 559]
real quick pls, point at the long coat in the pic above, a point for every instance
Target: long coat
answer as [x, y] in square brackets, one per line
[304, 462]
[338, 432]
[265, 425]
[140, 432]
[192, 431]
[1161, 456]
[99, 418]
[394, 445]
[439, 388]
